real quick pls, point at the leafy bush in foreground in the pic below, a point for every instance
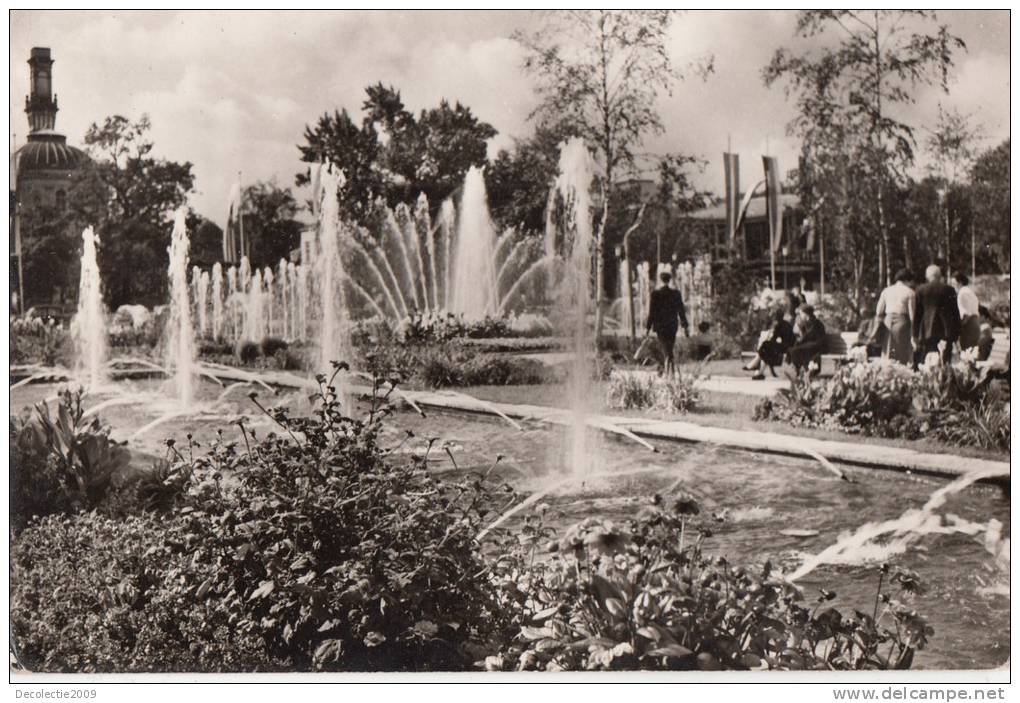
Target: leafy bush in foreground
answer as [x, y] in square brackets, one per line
[318, 554]
[643, 595]
[63, 462]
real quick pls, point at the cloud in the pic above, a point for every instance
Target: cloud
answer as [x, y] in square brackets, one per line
[233, 91]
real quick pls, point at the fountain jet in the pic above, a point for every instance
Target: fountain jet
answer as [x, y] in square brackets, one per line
[88, 329]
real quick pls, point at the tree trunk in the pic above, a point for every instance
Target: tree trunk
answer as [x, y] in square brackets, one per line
[600, 270]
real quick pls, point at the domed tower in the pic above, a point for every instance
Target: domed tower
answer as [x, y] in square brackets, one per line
[41, 173]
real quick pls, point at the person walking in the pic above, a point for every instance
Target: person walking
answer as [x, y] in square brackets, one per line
[665, 314]
[896, 310]
[810, 338]
[936, 317]
[970, 311]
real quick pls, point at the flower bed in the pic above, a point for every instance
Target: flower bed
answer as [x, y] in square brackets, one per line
[314, 548]
[957, 403]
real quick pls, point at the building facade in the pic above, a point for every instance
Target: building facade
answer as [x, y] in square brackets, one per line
[42, 170]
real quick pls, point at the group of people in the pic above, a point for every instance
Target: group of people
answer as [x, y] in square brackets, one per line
[797, 336]
[911, 324]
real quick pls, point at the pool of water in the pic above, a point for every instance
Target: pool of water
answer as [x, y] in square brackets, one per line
[756, 496]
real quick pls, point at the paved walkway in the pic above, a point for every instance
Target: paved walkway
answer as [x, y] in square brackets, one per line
[854, 453]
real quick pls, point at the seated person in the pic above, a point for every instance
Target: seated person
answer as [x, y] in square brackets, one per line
[985, 340]
[701, 343]
[810, 340]
[772, 346]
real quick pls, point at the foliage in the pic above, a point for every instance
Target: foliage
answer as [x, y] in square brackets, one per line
[428, 153]
[855, 149]
[990, 179]
[35, 488]
[87, 460]
[956, 403]
[449, 364]
[676, 393]
[602, 71]
[644, 595]
[271, 345]
[322, 553]
[62, 463]
[34, 341]
[128, 195]
[517, 181]
[269, 213]
[247, 351]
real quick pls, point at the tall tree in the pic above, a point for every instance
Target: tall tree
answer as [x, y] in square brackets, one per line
[395, 155]
[879, 59]
[270, 222]
[952, 145]
[129, 196]
[603, 71]
[518, 179]
[990, 184]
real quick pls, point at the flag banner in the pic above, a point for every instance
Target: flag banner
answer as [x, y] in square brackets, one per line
[746, 202]
[231, 245]
[773, 201]
[731, 169]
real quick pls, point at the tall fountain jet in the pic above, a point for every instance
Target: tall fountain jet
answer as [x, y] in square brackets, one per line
[180, 348]
[474, 275]
[334, 326]
[88, 329]
[574, 293]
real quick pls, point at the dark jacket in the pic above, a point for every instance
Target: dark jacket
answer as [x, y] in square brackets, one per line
[812, 333]
[937, 315]
[783, 334]
[665, 309]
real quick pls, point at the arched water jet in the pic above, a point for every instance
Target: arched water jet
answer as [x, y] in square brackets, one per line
[392, 233]
[524, 278]
[904, 530]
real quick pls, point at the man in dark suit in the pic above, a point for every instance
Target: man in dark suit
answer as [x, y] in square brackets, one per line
[936, 316]
[665, 311]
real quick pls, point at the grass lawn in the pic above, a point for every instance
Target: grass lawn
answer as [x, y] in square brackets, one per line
[727, 410]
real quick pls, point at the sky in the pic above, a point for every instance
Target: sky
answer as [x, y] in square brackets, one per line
[232, 91]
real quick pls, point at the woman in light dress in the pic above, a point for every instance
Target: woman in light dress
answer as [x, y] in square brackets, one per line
[970, 311]
[896, 308]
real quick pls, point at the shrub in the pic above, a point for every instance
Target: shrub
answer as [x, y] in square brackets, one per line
[631, 390]
[956, 403]
[672, 393]
[35, 488]
[320, 554]
[247, 352]
[643, 595]
[271, 345]
[34, 341]
[62, 463]
[452, 365]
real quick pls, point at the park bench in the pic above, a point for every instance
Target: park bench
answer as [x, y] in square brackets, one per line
[835, 348]
[1000, 350]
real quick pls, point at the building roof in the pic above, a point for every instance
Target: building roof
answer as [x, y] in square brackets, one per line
[46, 150]
[756, 209]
